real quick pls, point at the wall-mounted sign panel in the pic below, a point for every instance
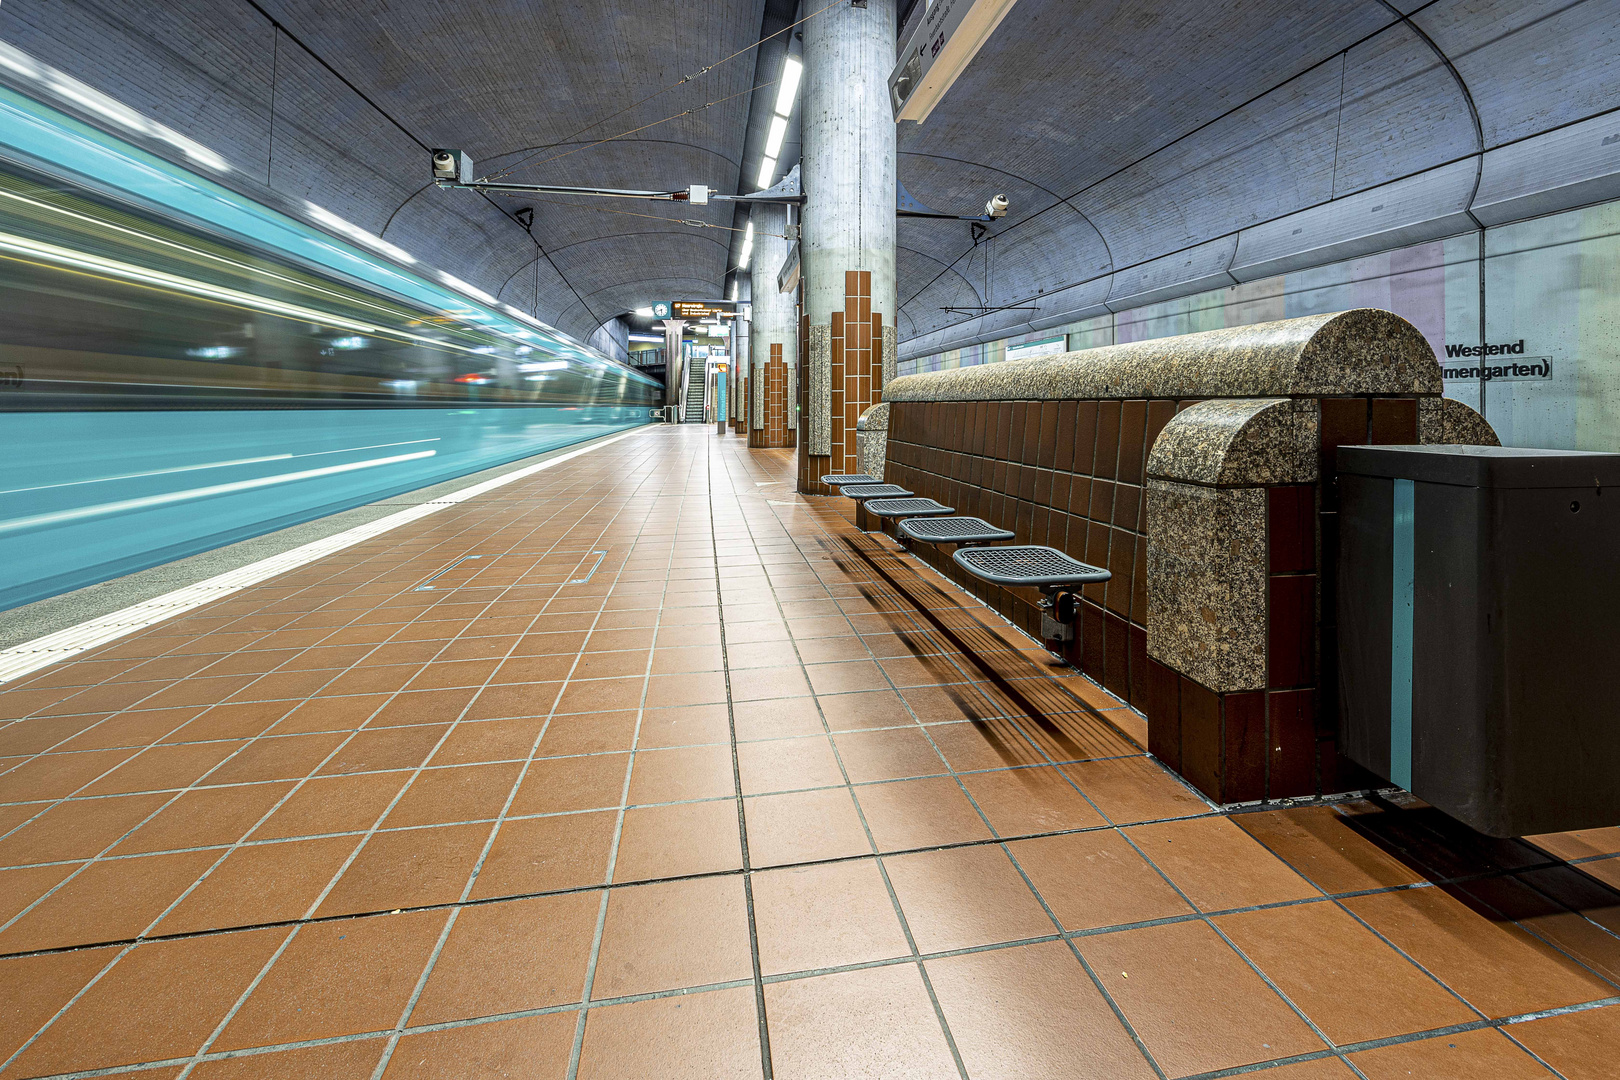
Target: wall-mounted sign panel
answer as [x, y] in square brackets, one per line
[702, 309]
[940, 40]
[1024, 350]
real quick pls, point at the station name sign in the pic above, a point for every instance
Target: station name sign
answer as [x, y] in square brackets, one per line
[702, 309]
[1481, 362]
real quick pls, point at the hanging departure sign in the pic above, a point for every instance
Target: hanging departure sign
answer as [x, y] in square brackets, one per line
[703, 309]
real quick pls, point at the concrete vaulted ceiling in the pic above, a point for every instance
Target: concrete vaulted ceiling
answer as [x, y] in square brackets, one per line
[1150, 150]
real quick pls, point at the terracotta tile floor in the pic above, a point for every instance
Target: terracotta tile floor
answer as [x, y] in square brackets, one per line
[759, 797]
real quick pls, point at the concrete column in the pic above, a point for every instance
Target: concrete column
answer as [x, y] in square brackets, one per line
[774, 348]
[848, 237]
[741, 330]
[674, 370]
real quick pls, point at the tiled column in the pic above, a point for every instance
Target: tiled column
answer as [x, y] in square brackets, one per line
[775, 340]
[847, 244]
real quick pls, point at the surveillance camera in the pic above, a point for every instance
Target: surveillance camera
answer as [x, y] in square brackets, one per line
[996, 207]
[452, 165]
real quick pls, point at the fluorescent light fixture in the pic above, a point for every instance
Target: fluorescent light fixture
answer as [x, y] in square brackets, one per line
[747, 253]
[748, 232]
[325, 217]
[647, 337]
[767, 172]
[773, 140]
[788, 88]
[644, 312]
[66, 87]
[471, 290]
[735, 285]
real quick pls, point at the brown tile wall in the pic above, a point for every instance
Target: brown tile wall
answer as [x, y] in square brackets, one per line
[776, 432]
[1070, 475]
[857, 378]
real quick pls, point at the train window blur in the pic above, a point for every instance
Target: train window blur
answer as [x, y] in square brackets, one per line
[106, 308]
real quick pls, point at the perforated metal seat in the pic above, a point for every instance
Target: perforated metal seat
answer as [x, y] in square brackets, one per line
[874, 491]
[907, 508]
[840, 479]
[1032, 567]
[952, 530]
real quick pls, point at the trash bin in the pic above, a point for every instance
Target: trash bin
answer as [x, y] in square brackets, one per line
[1478, 621]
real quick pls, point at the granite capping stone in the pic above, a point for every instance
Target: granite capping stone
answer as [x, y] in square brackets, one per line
[872, 439]
[1206, 583]
[756, 391]
[820, 437]
[1361, 351]
[1444, 422]
[1245, 442]
[890, 348]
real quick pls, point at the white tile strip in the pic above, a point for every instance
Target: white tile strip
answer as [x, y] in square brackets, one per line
[20, 660]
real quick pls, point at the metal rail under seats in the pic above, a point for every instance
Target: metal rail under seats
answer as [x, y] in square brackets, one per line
[964, 531]
[1055, 574]
[840, 479]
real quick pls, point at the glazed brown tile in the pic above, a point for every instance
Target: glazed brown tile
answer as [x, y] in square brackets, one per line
[1462, 1056]
[601, 695]
[894, 754]
[697, 688]
[458, 793]
[1218, 865]
[509, 956]
[678, 840]
[385, 749]
[568, 851]
[821, 1027]
[553, 667]
[1584, 930]
[35, 988]
[784, 719]
[692, 725]
[740, 656]
[787, 765]
[1495, 966]
[709, 1035]
[1319, 842]
[758, 684]
[691, 772]
[27, 737]
[742, 632]
[409, 868]
[22, 886]
[1579, 845]
[688, 658]
[848, 676]
[1096, 879]
[909, 814]
[56, 776]
[474, 741]
[531, 1046]
[112, 900]
[941, 705]
[1312, 951]
[371, 679]
[332, 804]
[1160, 975]
[825, 916]
[260, 883]
[161, 768]
[337, 978]
[555, 785]
[290, 757]
[804, 826]
[330, 1060]
[1032, 1011]
[130, 729]
[1023, 801]
[611, 665]
[829, 650]
[162, 1000]
[959, 898]
[1579, 1045]
[447, 674]
[605, 639]
[511, 700]
[80, 829]
[671, 935]
[328, 714]
[864, 711]
[1134, 789]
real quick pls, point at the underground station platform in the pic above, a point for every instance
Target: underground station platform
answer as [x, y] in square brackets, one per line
[644, 765]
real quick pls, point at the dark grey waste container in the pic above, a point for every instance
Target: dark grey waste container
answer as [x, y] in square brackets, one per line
[1479, 626]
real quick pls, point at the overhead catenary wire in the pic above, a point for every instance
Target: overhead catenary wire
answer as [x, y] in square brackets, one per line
[507, 170]
[693, 222]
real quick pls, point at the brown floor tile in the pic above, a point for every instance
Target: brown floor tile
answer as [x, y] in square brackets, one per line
[1320, 843]
[588, 733]
[825, 916]
[962, 897]
[919, 813]
[1161, 975]
[132, 729]
[160, 1001]
[1322, 1068]
[631, 663]
[1579, 845]
[1579, 1045]
[708, 1036]
[1033, 1012]
[1498, 968]
[531, 1046]
[985, 744]
[34, 989]
[471, 742]
[331, 1061]
[439, 707]
[1218, 865]
[1604, 870]
[946, 704]
[332, 804]
[784, 719]
[459, 793]
[758, 684]
[601, 695]
[692, 772]
[831, 650]
[895, 754]
[679, 840]
[849, 676]
[671, 935]
[865, 711]
[163, 768]
[327, 714]
[1314, 951]
[514, 955]
[552, 668]
[875, 1022]
[693, 725]
[609, 639]
[1023, 801]
[1585, 929]
[410, 868]
[1133, 789]
[81, 829]
[446, 674]
[744, 633]
[763, 654]
[37, 736]
[697, 688]
[56, 776]
[337, 978]
[260, 883]
[21, 887]
[110, 901]
[568, 851]
[554, 785]
[292, 757]
[386, 748]
[787, 765]
[1471, 1055]
[682, 659]
[803, 826]
[1096, 879]
[371, 679]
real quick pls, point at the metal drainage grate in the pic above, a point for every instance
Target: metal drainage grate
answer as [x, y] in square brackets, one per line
[874, 491]
[907, 508]
[1040, 567]
[952, 530]
[840, 479]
